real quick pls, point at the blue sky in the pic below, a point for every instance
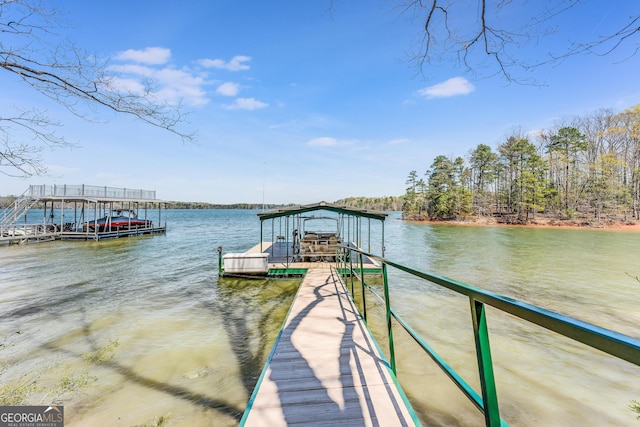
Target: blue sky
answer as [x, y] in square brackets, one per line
[303, 101]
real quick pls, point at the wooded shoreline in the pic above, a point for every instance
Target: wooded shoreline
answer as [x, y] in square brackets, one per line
[583, 168]
[541, 222]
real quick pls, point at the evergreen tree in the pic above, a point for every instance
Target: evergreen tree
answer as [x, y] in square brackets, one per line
[483, 165]
[568, 142]
[526, 176]
[446, 196]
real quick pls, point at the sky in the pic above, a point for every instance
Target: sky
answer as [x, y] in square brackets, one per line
[308, 101]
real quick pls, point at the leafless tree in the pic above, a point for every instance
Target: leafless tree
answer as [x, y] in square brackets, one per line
[486, 36]
[32, 48]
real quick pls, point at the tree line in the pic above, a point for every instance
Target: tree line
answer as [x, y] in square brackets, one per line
[586, 168]
[390, 203]
[384, 203]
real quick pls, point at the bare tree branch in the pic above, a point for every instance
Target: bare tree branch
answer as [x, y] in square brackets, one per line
[608, 43]
[53, 66]
[483, 42]
[19, 158]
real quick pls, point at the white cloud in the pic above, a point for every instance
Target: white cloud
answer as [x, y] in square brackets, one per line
[398, 141]
[452, 87]
[127, 85]
[140, 70]
[237, 63]
[247, 104]
[170, 84]
[149, 55]
[327, 141]
[228, 89]
[149, 72]
[180, 84]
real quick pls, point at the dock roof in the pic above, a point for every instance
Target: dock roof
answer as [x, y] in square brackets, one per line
[346, 210]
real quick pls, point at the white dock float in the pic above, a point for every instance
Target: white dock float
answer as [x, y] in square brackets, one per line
[247, 263]
[325, 368]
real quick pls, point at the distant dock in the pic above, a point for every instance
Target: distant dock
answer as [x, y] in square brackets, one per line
[81, 212]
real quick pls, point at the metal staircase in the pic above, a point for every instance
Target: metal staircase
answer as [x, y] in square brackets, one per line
[11, 215]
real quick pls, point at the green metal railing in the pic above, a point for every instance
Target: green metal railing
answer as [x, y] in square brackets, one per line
[608, 341]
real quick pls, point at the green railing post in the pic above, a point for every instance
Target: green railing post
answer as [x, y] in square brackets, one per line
[351, 273]
[485, 364]
[392, 353]
[364, 300]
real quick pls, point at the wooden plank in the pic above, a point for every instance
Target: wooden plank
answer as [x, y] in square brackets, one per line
[326, 368]
[257, 249]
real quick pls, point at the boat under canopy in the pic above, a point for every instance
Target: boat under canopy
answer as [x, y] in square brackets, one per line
[118, 219]
[298, 239]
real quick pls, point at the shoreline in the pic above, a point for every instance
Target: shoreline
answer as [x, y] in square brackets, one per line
[537, 223]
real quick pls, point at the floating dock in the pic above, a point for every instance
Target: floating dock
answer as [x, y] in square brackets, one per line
[281, 263]
[326, 368]
[292, 247]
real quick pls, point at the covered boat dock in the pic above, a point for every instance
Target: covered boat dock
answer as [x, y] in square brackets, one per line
[295, 239]
[71, 212]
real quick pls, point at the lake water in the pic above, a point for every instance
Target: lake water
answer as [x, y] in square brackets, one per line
[141, 330]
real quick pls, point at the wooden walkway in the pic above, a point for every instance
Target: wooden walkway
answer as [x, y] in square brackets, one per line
[326, 368]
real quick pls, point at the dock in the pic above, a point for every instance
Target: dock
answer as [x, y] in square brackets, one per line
[282, 261]
[326, 368]
[73, 212]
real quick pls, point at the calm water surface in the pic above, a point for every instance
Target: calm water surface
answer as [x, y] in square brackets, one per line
[174, 341]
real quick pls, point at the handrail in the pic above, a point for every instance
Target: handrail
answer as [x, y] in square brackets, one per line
[82, 190]
[611, 342]
[20, 207]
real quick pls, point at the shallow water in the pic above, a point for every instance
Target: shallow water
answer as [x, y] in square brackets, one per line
[542, 379]
[181, 344]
